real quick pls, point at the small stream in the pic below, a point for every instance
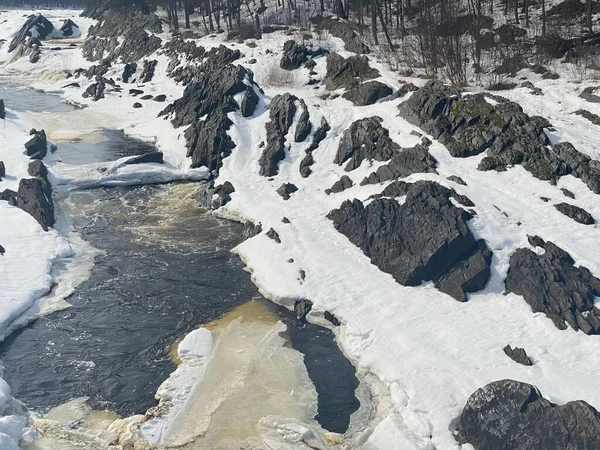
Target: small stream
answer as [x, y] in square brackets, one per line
[165, 268]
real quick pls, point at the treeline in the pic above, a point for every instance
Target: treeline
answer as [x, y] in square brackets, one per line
[34, 4]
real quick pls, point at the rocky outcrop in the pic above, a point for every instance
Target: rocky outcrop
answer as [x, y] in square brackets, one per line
[425, 238]
[282, 110]
[304, 126]
[347, 72]
[249, 102]
[95, 91]
[510, 415]
[286, 189]
[204, 107]
[518, 355]
[366, 139]
[340, 185]
[404, 163]
[213, 197]
[217, 57]
[272, 234]
[152, 157]
[148, 70]
[368, 93]
[302, 308]
[576, 213]
[294, 55]
[332, 319]
[128, 72]
[70, 29]
[2, 110]
[318, 136]
[345, 31]
[550, 283]
[457, 180]
[36, 26]
[37, 146]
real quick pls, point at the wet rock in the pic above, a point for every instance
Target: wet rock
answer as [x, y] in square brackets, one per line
[69, 28]
[249, 102]
[341, 185]
[304, 126]
[36, 26]
[153, 157]
[423, 239]
[347, 72]
[148, 70]
[2, 110]
[213, 197]
[510, 415]
[295, 55]
[457, 180]
[331, 318]
[160, 98]
[568, 193]
[366, 139]
[34, 199]
[281, 112]
[576, 213]
[272, 234]
[204, 108]
[518, 355]
[404, 163]
[37, 146]
[302, 308]
[286, 189]
[128, 72]
[137, 105]
[2, 170]
[550, 283]
[95, 91]
[368, 93]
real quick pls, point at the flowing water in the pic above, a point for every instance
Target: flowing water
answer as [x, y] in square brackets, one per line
[165, 268]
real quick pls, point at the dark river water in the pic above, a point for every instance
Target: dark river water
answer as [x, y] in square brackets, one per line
[165, 269]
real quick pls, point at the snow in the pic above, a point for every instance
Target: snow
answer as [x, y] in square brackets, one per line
[425, 351]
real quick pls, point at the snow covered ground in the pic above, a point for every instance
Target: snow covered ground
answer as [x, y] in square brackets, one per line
[422, 352]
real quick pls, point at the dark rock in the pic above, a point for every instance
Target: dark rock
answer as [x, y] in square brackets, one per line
[510, 415]
[576, 213]
[73, 85]
[405, 89]
[281, 112]
[331, 318]
[588, 94]
[286, 189]
[305, 164]
[148, 70]
[249, 102]
[251, 230]
[213, 197]
[146, 97]
[38, 170]
[215, 59]
[404, 163]
[345, 31]
[36, 26]
[34, 199]
[69, 28]
[534, 90]
[457, 180]
[366, 139]
[341, 185]
[128, 71]
[594, 118]
[137, 105]
[272, 234]
[135, 91]
[318, 136]
[210, 98]
[2, 170]
[285, 220]
[2, 110]
[37, 146]
[302, 308]
[8, 195]
[304, 126]
[154, 157]
[508, 33]
[2, 250]
[294, 55]
[160, 98]
[95, 91]
[545, 199]
[252, 61]
[368, 93]
[347, 72]
[517, 354]
[423, 239]
[302, 275]
[550, 283]
[568, 193]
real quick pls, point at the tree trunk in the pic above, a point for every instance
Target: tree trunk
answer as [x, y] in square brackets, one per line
[589, 16]
[187, 7]
[517, 11]
[526, 8]
[258, 30]
[543, 17]
[383, 25]
[373, 22]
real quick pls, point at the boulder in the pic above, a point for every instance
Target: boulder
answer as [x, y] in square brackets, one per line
[148, 70]
[137, 105]
[95, 91]
[368, 93]
[281, 112]
[2, 170]
[341, 185]
[568, 193]
[128, 72]
[295, 55]
[576, 213]
[302, 308]
[249, 102]
[38, 170]
[213, 197]
[8, 195]
[304, 126]
[146, 97]
[160, 98]
[2, 110]
[425, 238]
[551, 283]
[286, 189]
[2, 250]
[305, 164]
[135, 92]
[366, 139]
[332, 319]
[318, 136]
[34, 199]
[402, 164]
[36, 26]
[37, 146]
[69, 29]
[347, 72]
[153, 157]
[457, 180]
[272, 234]
[518, 355]
[510, 415]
